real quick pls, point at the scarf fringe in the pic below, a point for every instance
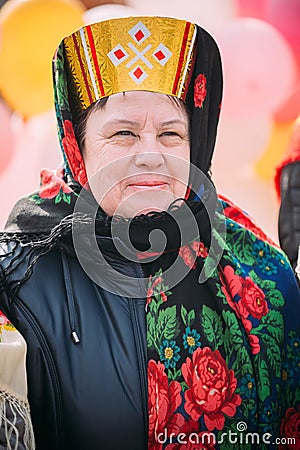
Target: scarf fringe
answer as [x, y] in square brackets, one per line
[16, 431]
[22, 246]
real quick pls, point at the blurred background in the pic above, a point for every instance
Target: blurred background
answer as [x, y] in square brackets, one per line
[259, 42]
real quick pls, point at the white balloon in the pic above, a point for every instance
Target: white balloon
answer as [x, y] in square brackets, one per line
[255, 196]
[105, 12]
[210, 15]
[240, 141]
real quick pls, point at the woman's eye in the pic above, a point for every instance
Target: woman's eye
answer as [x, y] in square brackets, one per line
[170, 133]
[124, 133]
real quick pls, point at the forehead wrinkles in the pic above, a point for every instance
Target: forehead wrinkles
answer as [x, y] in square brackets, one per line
[143, 120]
[137, 109]
[147, 96]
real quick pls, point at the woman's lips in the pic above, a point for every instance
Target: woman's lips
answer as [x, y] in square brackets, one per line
[148, 185]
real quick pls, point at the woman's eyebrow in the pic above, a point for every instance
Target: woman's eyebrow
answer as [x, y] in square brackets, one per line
[173, 122]
[134, 124]
[118, 122]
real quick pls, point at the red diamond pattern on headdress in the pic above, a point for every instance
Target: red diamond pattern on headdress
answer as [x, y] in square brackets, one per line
[139, 33]
[159, 55]
[117, 55]
[138, 72]
[138, 75]
[162, 54]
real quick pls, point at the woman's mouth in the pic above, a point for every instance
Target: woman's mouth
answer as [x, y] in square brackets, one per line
[148, 185]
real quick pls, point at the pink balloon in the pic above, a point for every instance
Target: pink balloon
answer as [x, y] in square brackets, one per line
[7, 138]
[285, 16]
[251, 8]
[259, 67]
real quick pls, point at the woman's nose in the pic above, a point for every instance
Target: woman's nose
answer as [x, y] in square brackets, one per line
[149, 154]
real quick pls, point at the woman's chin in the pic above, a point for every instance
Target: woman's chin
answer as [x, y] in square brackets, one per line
[139, 203]
[136, 211]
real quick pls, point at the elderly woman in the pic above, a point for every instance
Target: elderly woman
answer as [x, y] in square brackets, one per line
[155, 313]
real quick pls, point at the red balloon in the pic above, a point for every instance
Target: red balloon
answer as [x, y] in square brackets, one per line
[7, 138]
[285, 16]
[251, 8]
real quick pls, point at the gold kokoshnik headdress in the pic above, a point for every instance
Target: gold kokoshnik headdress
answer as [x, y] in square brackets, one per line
[126, 54]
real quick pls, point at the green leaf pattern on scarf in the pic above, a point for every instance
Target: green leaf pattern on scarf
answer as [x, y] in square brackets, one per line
[246, 328]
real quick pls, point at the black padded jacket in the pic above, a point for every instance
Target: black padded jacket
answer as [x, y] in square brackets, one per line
[86, 360]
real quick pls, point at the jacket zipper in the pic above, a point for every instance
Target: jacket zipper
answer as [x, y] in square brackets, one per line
[51, 366]
[141, 357]
[70, 298]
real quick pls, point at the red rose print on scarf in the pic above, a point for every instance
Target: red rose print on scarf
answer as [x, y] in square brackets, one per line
[52, 183]
[189, 258]
[254, 343]
[252, 301]
[231, 285]
[152, 285]
[190, 252]
[211, 388]
[191, 438]
[156, 288]
[290, 428]
[200, 249]
[200, 90]
[163, 400]
[252, 298]
[73, 153]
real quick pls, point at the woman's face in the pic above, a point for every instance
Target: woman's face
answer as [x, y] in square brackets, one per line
[137, 153]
